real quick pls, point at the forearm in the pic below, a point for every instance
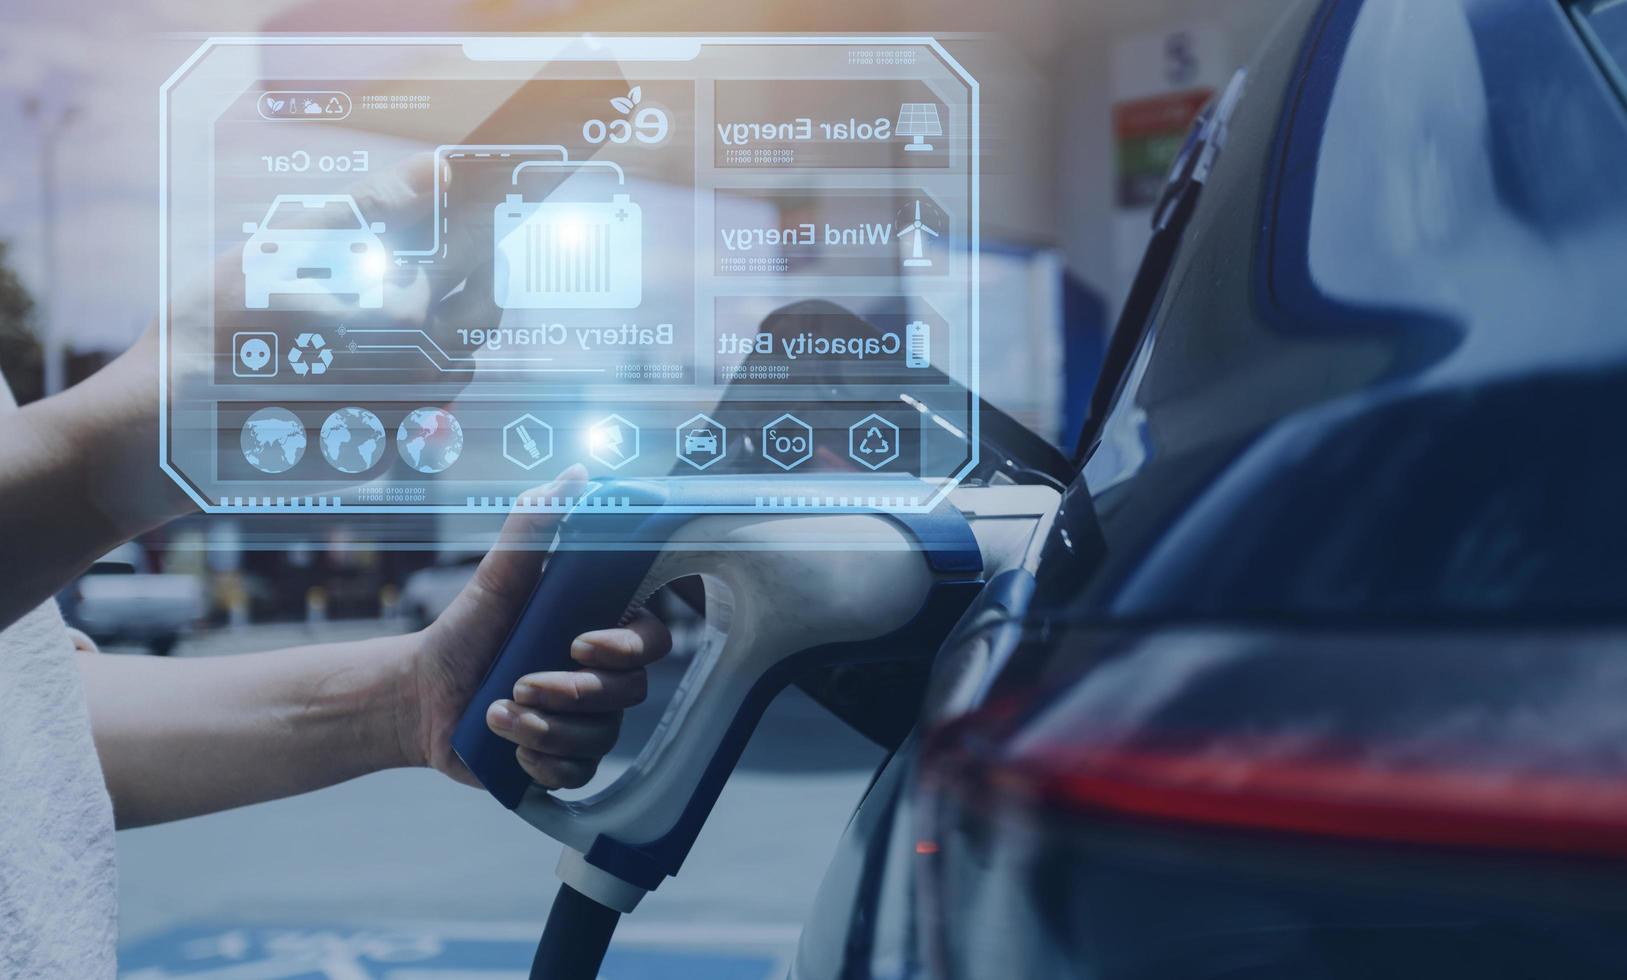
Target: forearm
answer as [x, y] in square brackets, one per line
[179, 738]
[79, 475]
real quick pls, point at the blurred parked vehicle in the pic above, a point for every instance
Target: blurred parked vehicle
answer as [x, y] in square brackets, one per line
[428, 591]
[122, 600]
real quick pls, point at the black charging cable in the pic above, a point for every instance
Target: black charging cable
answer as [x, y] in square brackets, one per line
[575, 939]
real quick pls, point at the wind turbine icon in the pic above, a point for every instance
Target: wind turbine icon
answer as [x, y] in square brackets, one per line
[916, 230]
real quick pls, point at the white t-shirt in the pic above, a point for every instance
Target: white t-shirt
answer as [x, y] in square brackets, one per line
[58, 879]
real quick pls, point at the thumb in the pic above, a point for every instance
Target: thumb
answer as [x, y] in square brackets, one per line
[510, 569]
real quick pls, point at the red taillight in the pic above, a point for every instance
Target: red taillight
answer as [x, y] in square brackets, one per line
[1253, 787]
[1497, 739]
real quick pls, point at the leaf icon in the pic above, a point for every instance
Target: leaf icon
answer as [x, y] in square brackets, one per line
[635, 95]
[622, 105]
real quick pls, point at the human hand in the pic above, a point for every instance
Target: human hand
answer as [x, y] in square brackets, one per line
[110, 422]
[561, 722]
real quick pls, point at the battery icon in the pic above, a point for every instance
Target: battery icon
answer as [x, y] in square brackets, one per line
[567, 256]
[918, 344]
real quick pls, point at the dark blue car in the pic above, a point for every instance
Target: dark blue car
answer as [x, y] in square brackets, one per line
[1324, 673]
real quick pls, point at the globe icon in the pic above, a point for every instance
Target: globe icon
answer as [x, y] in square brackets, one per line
[429, 439]
[273, 440]
[352, 440]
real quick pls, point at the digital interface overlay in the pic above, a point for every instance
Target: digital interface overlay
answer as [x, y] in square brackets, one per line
[423, 275]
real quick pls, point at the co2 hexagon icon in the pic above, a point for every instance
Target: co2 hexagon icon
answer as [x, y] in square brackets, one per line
[613, 441]
[528, 442]
[787, 442]
[702, 441]
[872, 442]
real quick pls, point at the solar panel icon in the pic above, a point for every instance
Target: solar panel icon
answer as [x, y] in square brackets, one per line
[918, 119]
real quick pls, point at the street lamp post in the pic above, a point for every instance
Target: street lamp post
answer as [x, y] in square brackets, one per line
[51, 128]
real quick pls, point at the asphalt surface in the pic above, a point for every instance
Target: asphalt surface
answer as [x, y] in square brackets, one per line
[413, 847]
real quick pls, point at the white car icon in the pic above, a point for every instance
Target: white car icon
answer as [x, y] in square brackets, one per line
[700, 441]
[313, 243]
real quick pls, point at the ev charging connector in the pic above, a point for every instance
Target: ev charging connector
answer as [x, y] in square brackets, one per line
[784, 593]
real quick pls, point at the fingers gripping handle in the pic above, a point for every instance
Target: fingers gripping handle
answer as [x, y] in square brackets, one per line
[579, 591]
[764, 606]
[775, 588]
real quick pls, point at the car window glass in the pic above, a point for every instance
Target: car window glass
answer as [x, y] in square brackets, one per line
[330, 214]
[1606, 22]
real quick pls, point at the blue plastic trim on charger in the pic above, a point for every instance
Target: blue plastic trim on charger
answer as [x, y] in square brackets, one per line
[581, 591]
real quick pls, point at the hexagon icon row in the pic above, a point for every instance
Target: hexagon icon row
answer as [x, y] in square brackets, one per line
[872, 442]
[528, 441]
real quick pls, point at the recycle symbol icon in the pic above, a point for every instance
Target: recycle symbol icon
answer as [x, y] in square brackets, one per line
[872, 442]
[310, 355]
